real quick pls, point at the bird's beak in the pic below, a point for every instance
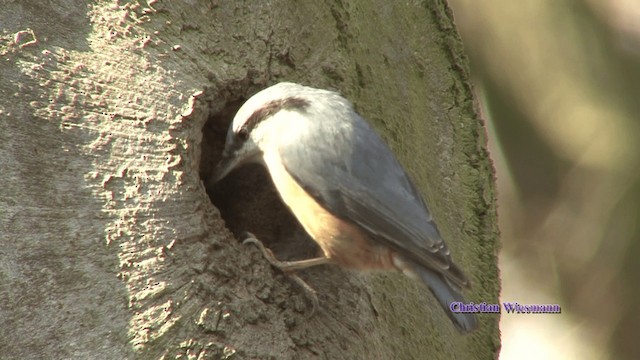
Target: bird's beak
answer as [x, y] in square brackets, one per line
[228, 162]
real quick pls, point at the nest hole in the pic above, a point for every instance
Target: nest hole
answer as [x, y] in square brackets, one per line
[246, 197]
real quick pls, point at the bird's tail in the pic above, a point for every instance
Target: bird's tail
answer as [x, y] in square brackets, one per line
[445, 293]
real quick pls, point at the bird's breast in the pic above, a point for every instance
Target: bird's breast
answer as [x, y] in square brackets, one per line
[344, 243]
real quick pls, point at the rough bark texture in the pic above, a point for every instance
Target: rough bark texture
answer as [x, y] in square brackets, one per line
[110, 246]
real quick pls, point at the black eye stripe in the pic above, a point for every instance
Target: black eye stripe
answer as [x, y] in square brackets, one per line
[267, 110]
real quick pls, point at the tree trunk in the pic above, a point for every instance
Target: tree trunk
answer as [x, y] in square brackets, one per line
[112, 112]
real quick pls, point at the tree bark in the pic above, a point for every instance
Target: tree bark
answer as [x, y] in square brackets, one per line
[112, 112]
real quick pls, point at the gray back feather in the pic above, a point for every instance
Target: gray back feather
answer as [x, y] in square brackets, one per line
[343, 163]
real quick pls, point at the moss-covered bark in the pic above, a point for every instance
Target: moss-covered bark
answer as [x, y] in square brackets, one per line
[111, 246]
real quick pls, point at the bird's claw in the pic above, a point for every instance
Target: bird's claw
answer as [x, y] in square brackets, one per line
[286, 267]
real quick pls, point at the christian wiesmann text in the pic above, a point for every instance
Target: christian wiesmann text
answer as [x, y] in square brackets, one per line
[509, 307]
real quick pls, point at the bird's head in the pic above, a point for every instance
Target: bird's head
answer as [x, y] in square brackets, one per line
[255, 126]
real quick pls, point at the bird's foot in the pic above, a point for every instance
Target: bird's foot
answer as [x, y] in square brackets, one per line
[288, 266]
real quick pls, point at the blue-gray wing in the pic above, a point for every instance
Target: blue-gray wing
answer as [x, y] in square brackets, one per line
[343, 163]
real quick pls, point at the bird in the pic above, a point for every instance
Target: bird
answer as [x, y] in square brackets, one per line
[345, 187]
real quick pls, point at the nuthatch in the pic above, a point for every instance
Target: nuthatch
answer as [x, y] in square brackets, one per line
[345, 187]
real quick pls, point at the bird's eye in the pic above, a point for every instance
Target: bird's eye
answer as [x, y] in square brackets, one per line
[243, 134]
